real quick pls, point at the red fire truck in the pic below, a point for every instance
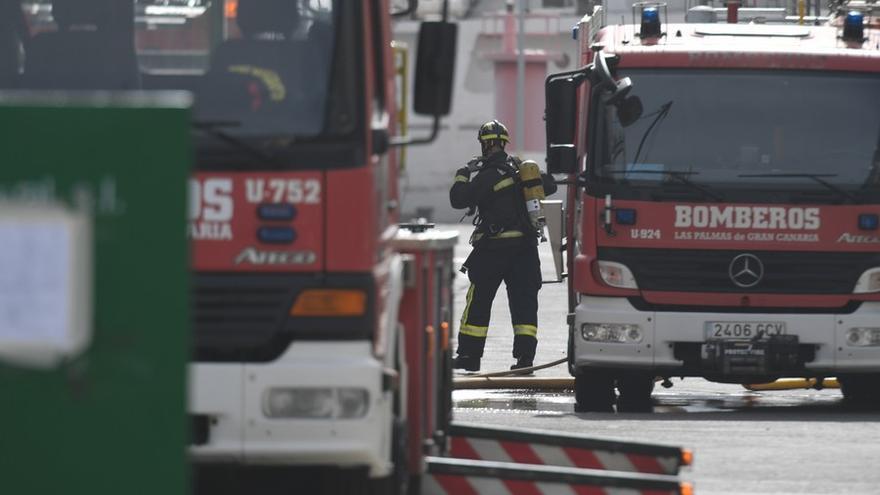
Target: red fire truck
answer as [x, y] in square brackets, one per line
[298, 345]
[318, 324]
[723, 215]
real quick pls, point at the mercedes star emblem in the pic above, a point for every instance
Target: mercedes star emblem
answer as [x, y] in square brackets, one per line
[746, 270]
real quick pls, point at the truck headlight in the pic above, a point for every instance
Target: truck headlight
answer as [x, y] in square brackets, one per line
[353, 402]
[620, 333]
[316, 403]
[863, 337]
[868, 282]
[616, 275]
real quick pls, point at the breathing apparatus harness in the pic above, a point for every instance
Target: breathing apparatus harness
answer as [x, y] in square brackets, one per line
[510, 168]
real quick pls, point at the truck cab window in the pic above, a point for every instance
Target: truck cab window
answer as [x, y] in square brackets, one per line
[83, 49]
[261, 68]
[275, 76]
[777, 140]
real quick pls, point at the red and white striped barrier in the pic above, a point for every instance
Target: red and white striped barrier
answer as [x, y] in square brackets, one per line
[563, 450]
[447, 476]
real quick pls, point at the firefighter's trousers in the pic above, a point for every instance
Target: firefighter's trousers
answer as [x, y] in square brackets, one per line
[519, 268]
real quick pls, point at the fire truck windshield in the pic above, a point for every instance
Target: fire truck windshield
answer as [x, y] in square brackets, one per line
[260, 70]
[734, 131]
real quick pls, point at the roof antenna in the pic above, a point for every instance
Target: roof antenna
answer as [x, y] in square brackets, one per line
[625, 39]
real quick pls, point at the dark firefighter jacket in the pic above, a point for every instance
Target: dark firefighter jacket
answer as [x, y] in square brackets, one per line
[501, 216]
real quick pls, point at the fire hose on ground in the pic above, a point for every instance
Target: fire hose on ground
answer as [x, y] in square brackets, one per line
[513, 379]
[510, 380]
[793, 384]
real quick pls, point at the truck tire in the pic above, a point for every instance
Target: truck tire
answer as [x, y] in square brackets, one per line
[345, 481]
[594, 390]
[635, 393]
[239, 479]
[860, 390]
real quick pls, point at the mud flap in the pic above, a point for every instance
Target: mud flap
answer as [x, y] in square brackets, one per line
[446, 476]
[505, 444]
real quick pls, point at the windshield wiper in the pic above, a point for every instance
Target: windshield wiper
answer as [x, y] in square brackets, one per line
[659, 116]
[817, 178]
[681, 177]
[216, 130]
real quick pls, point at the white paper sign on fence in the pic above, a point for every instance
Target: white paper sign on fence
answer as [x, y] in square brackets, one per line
[45, 284]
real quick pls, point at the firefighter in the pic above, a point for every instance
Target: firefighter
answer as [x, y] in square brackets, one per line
[505, 248]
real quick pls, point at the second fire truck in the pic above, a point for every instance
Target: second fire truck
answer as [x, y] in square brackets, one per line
[724, 217]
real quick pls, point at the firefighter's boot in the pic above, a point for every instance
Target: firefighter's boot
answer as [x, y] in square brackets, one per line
[469, 352]
[524, 351]
[522, 363]
[467, 363]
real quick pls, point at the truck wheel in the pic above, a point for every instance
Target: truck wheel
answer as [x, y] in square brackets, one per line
[635, 393]
[334, 481]
[593, 391]
[860, 390]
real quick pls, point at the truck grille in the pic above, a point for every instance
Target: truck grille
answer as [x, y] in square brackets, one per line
[708, 271]
[237, 316]
[244, 317]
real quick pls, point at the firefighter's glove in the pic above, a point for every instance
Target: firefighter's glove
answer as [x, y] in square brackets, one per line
[475, 164]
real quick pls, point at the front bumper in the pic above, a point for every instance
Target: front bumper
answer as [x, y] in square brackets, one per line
[665, 334]
[230, 396]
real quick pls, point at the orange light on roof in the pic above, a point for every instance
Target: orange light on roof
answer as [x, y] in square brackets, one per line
[687, 457]
[231, 9]
[330, 302]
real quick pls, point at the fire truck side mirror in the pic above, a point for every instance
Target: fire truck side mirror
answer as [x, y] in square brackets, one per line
[629, 110]
[560, 116]
[435, 68]
[562, 159]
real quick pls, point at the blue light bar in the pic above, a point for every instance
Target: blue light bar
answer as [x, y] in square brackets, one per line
[276, 235]
[854, 26]
[869, 221]
[625, 216]
[650, 22]
[277, 211]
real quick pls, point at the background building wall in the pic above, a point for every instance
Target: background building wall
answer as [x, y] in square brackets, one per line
[430, 169]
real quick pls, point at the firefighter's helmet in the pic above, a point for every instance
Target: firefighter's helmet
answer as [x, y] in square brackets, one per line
[493, 131]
